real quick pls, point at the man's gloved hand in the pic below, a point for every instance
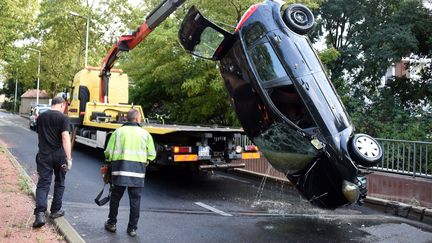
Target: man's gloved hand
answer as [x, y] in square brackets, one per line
[69, 164]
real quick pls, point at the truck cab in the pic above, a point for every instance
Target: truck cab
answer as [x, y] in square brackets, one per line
[85, 94]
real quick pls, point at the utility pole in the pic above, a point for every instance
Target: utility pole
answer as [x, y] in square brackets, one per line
[16, 91]
[38, 74]
[87, 33]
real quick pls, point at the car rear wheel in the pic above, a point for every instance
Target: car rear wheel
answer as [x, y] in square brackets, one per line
[298, 18]
[365, 150]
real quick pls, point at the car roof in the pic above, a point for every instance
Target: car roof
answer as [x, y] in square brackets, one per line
[43, 108]
[41, 105]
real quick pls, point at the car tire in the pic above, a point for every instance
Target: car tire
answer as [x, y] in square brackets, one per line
[365, 150]
[298, 18]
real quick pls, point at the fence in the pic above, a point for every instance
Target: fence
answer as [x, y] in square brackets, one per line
[411, 158]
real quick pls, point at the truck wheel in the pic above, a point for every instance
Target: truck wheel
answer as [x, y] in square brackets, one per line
[298, 18]
[365, 150]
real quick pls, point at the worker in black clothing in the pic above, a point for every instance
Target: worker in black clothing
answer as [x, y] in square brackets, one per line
[54, 155]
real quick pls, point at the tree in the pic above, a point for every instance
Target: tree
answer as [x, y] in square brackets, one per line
[60, 37]
[371, 35]
[16, 18]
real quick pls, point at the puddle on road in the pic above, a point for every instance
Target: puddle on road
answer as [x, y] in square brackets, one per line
[288, 207]
[345, 229]
[326, 230]
[393, 232]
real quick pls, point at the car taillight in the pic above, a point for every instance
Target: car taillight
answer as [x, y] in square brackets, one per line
[182, 149]
[246, 16]
[250, 148]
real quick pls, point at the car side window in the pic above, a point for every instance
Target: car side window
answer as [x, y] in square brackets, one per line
[264, 58]
[274, 79]
[254, 33]
[266, 62]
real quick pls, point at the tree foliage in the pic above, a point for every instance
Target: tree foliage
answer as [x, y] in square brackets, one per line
[370, 37]
[16, 18]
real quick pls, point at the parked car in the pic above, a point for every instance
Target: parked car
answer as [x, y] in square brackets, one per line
[36, 111]
[285, 101]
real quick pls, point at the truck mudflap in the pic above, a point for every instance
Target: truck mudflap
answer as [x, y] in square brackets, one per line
[220, 166]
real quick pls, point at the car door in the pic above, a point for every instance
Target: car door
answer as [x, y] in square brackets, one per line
[203, 38]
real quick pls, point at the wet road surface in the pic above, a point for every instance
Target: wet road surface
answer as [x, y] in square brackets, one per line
[179, 206]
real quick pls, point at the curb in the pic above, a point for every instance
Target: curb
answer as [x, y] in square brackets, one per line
[399, 209]
[402, 209]
[62, 225]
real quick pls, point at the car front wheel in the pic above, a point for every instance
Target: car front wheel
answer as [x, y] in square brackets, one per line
[365, 150]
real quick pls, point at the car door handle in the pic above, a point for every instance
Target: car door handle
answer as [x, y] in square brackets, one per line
[305, 84]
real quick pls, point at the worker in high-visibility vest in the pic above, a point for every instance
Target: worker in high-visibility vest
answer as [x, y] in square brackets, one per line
[128, 151]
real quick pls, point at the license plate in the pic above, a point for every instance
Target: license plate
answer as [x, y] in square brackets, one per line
[203, 151]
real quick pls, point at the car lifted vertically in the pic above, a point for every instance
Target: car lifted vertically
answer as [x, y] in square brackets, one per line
[285, 101]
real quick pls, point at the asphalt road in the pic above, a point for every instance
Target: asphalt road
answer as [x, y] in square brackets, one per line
[179, 206]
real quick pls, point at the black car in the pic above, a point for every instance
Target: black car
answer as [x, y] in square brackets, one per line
[285, 101]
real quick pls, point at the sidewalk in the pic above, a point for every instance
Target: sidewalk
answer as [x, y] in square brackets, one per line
[17, 204]
[17, 191]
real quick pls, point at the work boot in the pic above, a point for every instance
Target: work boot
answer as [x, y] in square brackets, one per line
[57, 214]
[131, 232]
[39, 220]
[110, 227]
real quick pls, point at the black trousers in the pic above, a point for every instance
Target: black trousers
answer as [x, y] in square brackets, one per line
[46, 165]
[134, 202]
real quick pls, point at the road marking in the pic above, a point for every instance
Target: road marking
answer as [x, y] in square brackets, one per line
[213, 209]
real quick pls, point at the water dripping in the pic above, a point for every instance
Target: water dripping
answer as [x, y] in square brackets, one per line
[262, 185]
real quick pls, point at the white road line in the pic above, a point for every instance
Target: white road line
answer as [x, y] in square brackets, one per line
[213, 209]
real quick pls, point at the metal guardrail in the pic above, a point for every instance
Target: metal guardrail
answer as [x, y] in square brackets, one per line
[413, 158]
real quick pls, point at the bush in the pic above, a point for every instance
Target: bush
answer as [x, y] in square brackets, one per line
[9, 105]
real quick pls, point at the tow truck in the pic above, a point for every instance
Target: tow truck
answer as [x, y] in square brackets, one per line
[99, 104]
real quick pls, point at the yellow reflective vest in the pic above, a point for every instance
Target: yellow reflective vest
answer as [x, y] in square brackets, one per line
[130, 142]
[129, 149]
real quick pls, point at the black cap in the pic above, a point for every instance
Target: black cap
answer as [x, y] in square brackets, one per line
[57, 100]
